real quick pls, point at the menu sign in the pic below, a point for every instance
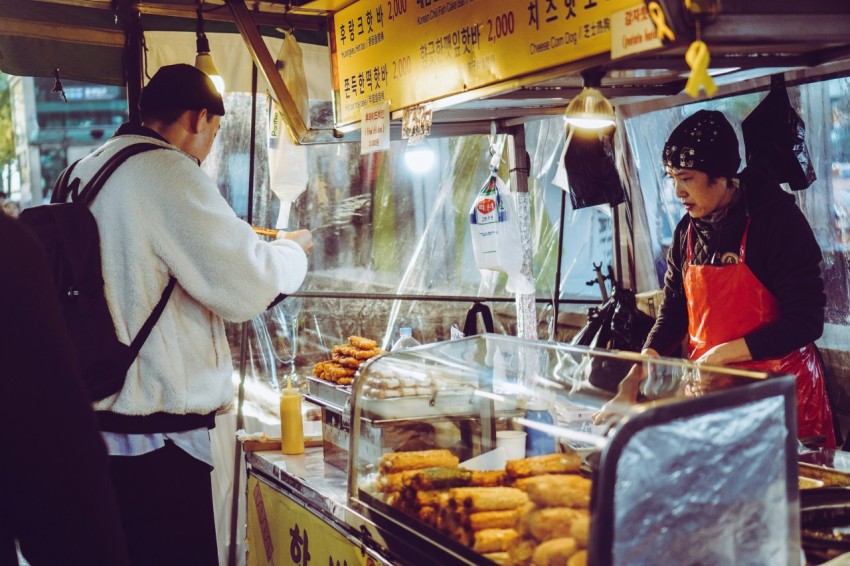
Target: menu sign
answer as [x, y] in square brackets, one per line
[281, 531]
[406, 52]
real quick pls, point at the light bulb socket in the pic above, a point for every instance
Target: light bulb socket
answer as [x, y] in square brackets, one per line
[202, 43]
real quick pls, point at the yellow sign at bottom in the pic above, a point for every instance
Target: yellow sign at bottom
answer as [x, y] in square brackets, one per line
[280, 531]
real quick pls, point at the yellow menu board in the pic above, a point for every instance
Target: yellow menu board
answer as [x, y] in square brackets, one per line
[406, 52]
[280, 532]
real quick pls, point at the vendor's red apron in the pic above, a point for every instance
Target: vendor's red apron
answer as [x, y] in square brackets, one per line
[726, 303]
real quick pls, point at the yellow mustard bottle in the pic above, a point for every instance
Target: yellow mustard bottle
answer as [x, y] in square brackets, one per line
[291, 424]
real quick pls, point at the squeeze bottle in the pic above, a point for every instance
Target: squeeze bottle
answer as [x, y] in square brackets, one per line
[291, 425]
[538, 442]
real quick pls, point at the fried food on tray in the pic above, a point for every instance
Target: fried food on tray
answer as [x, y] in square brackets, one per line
[487, 498]
[394, 482]
[492, 520]
[490, 478]
[580, 530]
[549, 522]
[578, 559]
[440, 477]
[554, 552]
[494, 540]
[522, 551]
[428, 515]
[346, 359]
[501, 558]
[392, 498]
[546, 464]
[435, 498]
[335, 370]
[400, 461]
[362, 343]
[558, 490]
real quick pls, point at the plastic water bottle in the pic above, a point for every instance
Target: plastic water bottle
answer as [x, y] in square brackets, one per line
[538, 442]
[405, 340]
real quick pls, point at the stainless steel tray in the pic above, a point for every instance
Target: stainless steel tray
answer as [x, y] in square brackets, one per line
[325, 393]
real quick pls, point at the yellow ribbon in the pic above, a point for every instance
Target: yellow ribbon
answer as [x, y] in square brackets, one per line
[656, 14]
[697, 58]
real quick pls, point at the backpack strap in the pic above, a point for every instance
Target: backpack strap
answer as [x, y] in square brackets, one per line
[92, 188]
[144, 332]
[60, 187]
[87, 196]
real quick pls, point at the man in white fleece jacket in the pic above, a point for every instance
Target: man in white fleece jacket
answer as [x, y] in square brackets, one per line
[160, 216]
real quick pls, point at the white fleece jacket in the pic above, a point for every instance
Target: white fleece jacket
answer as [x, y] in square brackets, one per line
[159, 215]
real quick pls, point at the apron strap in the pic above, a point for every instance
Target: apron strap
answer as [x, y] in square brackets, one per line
[741, 252]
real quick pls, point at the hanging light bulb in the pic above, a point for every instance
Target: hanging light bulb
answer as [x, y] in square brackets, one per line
[590, 109]
[203, 60]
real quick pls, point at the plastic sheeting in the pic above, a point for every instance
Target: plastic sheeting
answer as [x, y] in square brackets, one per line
[380, 229]
[740, 515]
[825, 203]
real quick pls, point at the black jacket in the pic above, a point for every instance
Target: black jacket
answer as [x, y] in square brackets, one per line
[781, 252]
[56, 493]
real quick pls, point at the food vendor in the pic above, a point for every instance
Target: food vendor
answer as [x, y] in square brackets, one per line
[743, 277]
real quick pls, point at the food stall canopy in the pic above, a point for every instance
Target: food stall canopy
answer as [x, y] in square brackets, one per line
[525, 59]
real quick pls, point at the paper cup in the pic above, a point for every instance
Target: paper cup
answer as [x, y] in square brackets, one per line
[513, 442]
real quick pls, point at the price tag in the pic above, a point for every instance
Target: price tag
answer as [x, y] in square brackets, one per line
[633, 31]
[375, 128]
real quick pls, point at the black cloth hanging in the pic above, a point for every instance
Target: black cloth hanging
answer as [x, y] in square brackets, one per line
[470, 325]
[775, 139]
[592, 170]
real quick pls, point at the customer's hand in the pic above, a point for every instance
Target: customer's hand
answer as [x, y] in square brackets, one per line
[303, 238]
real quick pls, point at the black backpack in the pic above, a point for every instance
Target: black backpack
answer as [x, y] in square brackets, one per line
[68, 233]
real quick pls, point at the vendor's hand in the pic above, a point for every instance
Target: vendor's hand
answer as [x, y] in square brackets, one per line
[726, 353]
[627, 394]
[303, 238]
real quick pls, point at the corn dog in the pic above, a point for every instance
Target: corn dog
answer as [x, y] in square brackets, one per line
[487, 498]
[546, 464]
[492, 520]
[494, 540]
[400, 461]
[493, 478]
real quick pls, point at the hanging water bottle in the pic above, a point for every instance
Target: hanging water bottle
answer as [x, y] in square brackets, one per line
[538, 442]
[405, 340]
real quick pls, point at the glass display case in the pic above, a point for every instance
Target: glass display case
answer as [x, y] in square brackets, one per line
[484, 450]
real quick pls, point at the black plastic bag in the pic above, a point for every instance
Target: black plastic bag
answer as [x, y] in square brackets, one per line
[775, 139]
[616, 325]
[591, 170]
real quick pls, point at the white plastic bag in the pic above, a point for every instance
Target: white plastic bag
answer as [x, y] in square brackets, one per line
[495, 230]
[288, 166]
[290, 61]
